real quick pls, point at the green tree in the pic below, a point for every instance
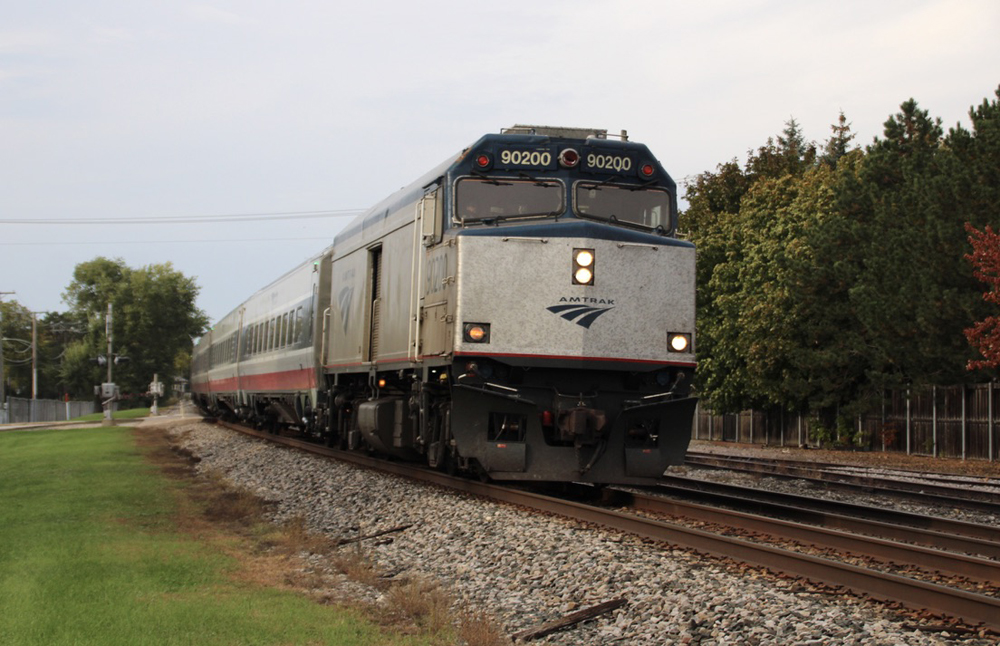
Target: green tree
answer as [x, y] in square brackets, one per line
[154, 319]
[839, 144]
[825, 279]
[15, 331]
[726, 234]
[915, 293]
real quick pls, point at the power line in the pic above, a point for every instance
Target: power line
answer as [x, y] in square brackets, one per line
[192, 219]
[128, 242]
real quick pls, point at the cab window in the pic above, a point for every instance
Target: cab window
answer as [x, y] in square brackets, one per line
[647, 208]
[485, 200]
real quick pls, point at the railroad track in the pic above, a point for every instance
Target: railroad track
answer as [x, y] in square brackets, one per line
[926, 491]
[972, 608]
[865, 538]
[932, 531]
[887, 471]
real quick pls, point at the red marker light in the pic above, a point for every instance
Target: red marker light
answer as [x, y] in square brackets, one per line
[483, 161]
[569, 158]
[646, 170]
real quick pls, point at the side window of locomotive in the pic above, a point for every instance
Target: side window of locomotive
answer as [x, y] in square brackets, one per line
[646, 208]
[479, 200]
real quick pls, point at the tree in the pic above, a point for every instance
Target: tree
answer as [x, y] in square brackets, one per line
[822, 281]
[837, 145]
[154, 321]
[914, 294]
[16, 334]
[727, 233]
[985, 258]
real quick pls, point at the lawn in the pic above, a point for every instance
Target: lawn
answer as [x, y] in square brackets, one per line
[91, 553]
[131, 413]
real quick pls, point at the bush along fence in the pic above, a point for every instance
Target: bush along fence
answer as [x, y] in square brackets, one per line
[44, 410]
[954, 422]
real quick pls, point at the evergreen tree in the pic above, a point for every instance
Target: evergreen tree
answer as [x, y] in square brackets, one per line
[913, 294]
[839, 144]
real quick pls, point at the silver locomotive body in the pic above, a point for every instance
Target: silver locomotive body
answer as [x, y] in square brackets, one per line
[524, 311]
[573, 382]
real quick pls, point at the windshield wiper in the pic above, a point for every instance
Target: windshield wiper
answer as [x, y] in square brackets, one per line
[544, 183]
[597, 186]
[489, 180]
[640, 187]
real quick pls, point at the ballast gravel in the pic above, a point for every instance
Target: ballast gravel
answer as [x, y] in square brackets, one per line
[527, 569]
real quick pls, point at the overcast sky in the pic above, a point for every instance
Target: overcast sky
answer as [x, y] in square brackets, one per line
[136, 110]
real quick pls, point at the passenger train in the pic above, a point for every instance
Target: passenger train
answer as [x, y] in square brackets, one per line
[523, 311]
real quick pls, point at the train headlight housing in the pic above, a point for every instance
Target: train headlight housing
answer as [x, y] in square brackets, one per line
[476, 332]
[678, 342]
[583, 266]
[569, 158]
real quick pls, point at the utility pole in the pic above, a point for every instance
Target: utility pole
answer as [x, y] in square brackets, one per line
[108, 419]
[3, 382]
[34, 364]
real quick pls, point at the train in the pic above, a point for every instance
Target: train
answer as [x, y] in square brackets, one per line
[524, 311]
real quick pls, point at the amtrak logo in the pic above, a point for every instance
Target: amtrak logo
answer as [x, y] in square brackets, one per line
[577, 310]
[344, 299]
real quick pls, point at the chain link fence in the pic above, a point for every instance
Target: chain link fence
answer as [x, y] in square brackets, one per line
[21, 411]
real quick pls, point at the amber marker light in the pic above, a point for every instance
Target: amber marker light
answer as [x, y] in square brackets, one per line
[476, 332]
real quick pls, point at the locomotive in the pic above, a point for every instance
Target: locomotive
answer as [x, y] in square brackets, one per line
[523, 311]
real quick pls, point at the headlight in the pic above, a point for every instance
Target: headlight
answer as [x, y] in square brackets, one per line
[678, 342]
[583, 266]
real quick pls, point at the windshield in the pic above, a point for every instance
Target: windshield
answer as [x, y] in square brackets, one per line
[645, 207]
[500, 199]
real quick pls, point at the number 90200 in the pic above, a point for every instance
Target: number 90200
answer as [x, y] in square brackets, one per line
[525, 158]
[609, 162]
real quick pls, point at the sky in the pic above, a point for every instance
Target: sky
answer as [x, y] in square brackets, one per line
[125, 125]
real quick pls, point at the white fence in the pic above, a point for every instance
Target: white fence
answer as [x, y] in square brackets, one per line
[44, 410]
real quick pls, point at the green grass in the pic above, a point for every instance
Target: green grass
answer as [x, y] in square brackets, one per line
[90, 554]
[131, 413]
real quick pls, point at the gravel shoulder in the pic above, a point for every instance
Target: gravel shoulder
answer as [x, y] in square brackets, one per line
[527, 569]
